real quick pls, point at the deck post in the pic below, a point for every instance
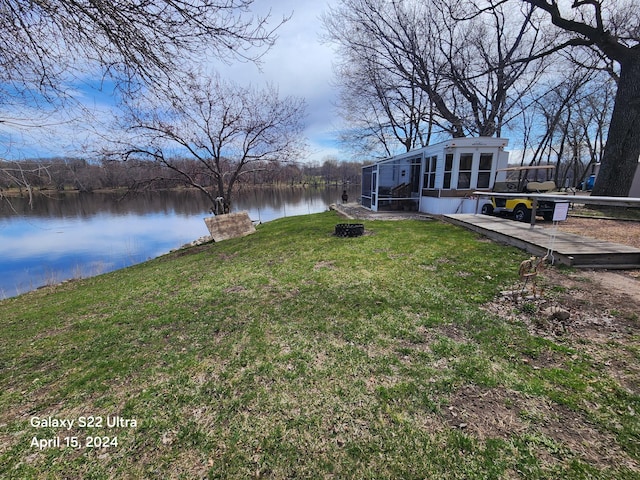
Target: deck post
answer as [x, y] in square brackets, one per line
[534, 208]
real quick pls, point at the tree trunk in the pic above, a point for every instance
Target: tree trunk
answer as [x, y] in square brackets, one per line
[620, 158]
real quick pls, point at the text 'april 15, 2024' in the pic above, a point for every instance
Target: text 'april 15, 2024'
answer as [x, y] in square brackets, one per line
[86, 431]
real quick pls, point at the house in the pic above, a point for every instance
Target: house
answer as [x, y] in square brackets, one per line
[436, 179]
[635, 186]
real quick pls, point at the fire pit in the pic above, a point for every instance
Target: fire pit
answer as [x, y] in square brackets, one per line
[349, 229]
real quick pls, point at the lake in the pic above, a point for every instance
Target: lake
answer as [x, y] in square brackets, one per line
[74, 235]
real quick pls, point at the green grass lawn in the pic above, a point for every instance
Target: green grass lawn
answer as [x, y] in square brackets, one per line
[292, 353]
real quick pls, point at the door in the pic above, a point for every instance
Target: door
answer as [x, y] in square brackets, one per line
[374, 190]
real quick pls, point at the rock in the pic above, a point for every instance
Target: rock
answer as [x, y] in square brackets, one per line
[556, 313]
[541, 322]
[195, 243]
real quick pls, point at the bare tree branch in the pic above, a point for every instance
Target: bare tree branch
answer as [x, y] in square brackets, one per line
[45, 43]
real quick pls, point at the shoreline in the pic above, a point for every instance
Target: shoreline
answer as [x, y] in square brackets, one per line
[14, 193]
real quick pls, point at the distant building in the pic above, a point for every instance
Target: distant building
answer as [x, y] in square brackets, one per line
[634, 191]
[436, 179]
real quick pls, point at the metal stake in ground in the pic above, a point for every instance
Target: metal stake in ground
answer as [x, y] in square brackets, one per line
[560, 212]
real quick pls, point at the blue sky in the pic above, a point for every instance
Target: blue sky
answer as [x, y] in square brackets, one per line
[299, 64]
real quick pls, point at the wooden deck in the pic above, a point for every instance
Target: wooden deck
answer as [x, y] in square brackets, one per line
[568, 248]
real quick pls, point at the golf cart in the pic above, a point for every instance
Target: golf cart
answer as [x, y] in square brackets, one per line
[521, 207]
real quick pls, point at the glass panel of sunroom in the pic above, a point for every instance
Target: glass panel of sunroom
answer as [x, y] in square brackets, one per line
[448, 167]
[464, 175]
[367, 186]
[484, 170]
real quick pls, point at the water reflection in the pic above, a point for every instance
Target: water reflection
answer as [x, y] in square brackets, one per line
[78, 235]
[85, 205]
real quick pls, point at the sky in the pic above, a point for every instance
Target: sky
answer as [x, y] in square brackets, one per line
[299, 64]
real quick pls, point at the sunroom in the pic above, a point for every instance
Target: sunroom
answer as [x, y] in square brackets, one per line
[436, 179]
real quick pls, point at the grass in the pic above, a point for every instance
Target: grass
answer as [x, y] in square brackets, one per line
[292, 353]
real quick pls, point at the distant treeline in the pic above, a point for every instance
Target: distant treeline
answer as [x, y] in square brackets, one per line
[86, 176]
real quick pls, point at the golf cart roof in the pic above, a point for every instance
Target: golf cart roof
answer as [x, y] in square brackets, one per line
[519, 169]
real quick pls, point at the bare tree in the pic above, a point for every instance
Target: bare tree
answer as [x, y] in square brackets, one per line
[611, 30]
[226, 131]
[462, 61]
[564, 118]
[381, 110]
[564, 123]
[583, 130]
[543, 113]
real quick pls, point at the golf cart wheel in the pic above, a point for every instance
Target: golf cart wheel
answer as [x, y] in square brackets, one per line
[522, 213]
[487, 209]
[548, 216]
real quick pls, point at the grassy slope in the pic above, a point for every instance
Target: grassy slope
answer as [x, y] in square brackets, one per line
[293, 353]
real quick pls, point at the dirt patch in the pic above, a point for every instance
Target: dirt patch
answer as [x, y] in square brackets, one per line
[601, 305]
[428, 335]
[235, 289]
[616, 282]
[625, 232]
[498, 413]
[330, 264]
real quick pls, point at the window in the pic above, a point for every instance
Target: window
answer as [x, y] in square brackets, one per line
[484, 170]
[415, 175]
[448, 166]
[429, 180]
[464, 173]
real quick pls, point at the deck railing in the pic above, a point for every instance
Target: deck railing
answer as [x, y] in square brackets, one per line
[582, 199]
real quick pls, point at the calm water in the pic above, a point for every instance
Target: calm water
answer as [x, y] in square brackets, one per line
[81, 235]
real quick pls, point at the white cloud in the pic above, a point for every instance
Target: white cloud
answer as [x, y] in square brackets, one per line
[299, 64]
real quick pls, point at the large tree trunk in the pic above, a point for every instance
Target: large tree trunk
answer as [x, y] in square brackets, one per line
[620, 158]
